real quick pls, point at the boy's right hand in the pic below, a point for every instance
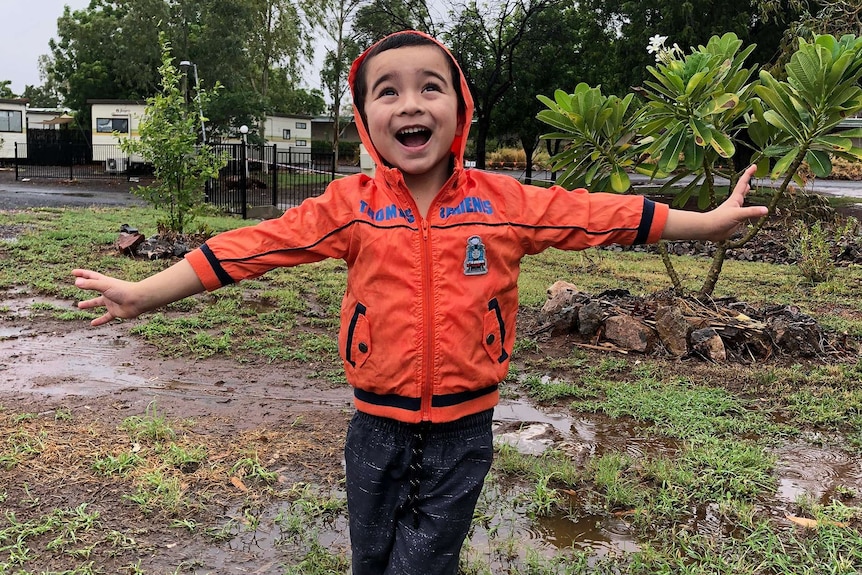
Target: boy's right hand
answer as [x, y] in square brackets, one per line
[126, 300]
[117, 296]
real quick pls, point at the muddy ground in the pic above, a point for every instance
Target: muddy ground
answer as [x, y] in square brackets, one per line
[71, 389]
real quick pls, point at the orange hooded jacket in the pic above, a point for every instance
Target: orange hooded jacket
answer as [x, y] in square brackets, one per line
[428, 318]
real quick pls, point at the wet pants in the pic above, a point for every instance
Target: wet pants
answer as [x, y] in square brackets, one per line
[411, 491]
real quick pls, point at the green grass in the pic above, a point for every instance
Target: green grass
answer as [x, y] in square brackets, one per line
[707, 436]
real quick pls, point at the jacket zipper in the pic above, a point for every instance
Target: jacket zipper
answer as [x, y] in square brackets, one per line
[428, 319]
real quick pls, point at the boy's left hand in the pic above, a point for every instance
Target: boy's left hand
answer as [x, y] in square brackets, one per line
[731, 213]
[720, 223]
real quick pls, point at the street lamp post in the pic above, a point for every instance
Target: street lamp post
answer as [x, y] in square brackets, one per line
[186, 64]
[243, 130]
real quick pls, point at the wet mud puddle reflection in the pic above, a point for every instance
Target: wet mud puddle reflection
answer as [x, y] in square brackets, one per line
[802, 470]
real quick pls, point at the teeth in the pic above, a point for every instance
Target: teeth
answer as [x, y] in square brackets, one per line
[406, 131]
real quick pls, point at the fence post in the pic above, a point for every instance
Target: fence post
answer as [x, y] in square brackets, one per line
[16, 161]
[274, 172]
[243, 179]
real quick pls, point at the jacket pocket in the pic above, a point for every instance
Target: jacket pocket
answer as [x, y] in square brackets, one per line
[494, 336]
[357, 345]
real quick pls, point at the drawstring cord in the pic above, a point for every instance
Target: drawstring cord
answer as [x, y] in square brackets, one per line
[417, 449]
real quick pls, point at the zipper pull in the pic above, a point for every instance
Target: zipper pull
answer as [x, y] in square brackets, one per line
[424, 229]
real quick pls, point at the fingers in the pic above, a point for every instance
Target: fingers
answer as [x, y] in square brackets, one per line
[743, 184]
[102, 320]
[90, 280]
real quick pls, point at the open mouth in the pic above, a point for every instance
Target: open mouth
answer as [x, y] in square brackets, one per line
[413, 137]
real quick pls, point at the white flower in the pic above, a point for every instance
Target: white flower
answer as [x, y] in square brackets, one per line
[656, 44]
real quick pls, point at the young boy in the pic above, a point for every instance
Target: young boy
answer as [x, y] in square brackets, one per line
[427, 322]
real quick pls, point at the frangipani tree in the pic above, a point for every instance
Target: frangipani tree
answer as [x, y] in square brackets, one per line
[701, 107]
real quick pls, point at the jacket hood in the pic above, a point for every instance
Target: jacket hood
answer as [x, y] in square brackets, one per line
[459, 144]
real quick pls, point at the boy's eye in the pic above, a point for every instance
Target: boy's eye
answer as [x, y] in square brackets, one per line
[431, 87]
[386, 92]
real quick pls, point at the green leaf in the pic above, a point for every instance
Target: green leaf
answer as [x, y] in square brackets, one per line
[819, 163]
[620, 181]
[721, 104]
[834, 143]
[694, 82]
[693, 154]
[782, 123]
[556, 120]
[670, 156]
[702, 132]
[722, 144]
[784, 163]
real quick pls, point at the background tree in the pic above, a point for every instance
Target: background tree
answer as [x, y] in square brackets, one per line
[335, 23]
[212, 34]
[278, 37]
[109, 50]
[169, 141]
[380, 18]
[6, 89]
[688, 24]
[581, 39]
[46, 95]
[484, 39]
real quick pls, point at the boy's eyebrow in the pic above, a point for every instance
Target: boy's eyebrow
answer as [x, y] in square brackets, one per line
[388, 77]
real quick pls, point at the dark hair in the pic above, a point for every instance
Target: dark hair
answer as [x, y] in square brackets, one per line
[403, 40]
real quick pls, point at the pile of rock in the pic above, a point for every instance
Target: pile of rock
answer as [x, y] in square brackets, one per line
[163, 245]
[677, 326]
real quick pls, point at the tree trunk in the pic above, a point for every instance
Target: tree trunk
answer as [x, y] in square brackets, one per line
[482, 128]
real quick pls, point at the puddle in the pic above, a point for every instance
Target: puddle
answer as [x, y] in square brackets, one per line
[816, 472]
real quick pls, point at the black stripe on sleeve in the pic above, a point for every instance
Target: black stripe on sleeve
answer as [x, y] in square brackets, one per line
[223, 277]
[646, 222]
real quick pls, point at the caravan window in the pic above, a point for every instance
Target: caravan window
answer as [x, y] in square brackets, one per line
[11, 121]
[110, 125]
[285, 134]
[301, 125]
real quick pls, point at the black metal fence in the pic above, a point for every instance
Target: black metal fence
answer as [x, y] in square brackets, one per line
[268, 176]
[254, 175]
[75, 161]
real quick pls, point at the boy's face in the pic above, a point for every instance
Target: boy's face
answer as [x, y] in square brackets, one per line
[412, 109]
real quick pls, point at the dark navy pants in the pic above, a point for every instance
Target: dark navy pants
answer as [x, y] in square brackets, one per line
[411, 491]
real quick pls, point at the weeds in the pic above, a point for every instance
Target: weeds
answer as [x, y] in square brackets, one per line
[151, 426]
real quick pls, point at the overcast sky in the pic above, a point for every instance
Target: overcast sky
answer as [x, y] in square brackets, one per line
[28, 25]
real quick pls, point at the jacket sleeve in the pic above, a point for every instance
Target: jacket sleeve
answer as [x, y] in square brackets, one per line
[317, 229]
[578, 219]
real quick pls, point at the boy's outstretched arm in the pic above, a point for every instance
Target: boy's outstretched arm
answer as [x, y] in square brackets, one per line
[718, 224]
[126, 300]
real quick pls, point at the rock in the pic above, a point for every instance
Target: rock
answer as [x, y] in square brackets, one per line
[590, 318]
[560, 313]
[793, 331]
[127, 243]
[709, 344]
[673, 329]
[629, 333]
[561, 286]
